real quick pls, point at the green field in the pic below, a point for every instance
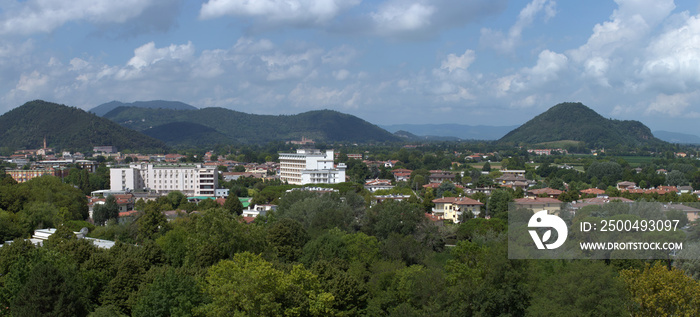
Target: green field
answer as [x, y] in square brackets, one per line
[557, 144]
[636, 161]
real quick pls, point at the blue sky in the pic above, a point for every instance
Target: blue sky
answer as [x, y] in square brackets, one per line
[490, 62]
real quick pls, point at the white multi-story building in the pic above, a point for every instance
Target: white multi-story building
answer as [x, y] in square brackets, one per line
[190, 179]
[310, 166]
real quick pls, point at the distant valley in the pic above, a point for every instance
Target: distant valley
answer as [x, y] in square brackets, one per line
[457, 131]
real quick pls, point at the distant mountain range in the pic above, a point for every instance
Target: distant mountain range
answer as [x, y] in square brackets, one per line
[456, 131]
[576, 122]
[674, 137]
[104, 108]
[219, 125]
[67, 128]
[155, 125]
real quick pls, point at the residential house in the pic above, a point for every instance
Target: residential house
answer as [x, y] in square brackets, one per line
[535, 204]
[690, 212]
[626, 185]
[549, 192]
[258, 210]
[401, 174]
[685, 189]
[382, 198]
[452, 208]
[376, 184]
[592, 191]
[598, 201]
[439, 176]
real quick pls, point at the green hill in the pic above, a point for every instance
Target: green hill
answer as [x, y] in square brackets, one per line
[321, 125]
[576, 122]
[102, 109]
[67, 128]
[186, 134]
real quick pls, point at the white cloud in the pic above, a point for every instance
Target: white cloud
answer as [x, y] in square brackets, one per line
[280, 12]
[507, 43]
[672, 63]
[672, 105]
[459, 62]
[148, 54]
[342, 74]
[549, 66]
[31, 82]
[395, 17]
[629, 24]
[422, 19]
[43, 16]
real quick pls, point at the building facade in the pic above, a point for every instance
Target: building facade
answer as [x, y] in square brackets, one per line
[190, 179]
[310, 166]
[452, 208]
[22, 176]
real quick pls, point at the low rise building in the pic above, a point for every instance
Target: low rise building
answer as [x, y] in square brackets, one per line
[452, 208]
[535, 204]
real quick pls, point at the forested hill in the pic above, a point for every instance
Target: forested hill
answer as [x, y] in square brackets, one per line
[575, 121]
[104, 108]
[321, 125]
[67, 128]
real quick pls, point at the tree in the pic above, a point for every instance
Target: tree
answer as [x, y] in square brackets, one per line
[288, 237]
[233, 205]
[393, 217]
[151, 223]
[486, 167]
[103, 212]
[659, 291]
[250, 286]
[498, 203]
[577, 288]
[676, 178]
[176, 198]
[170, 294]
[446, 187]
[50, 292]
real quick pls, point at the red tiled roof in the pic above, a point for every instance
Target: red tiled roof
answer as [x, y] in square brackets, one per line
[547, 190]
[458, 201]
[128, 213]
[593, 191]
[433, 218]
[537, 201]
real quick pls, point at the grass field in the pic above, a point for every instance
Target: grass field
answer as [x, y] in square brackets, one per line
[636, 161]
[557, 144]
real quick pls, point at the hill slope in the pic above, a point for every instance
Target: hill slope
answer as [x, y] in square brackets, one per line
[574, 121]
[67, 128]
[104, 108]
[321, 125]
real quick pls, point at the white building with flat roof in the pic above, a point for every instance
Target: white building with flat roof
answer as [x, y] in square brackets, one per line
[310, 166]
[190, 179]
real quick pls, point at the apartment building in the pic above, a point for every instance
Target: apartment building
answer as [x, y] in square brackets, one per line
[310, 166]
[190, 179]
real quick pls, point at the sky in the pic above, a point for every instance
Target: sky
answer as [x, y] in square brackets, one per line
[475, 62]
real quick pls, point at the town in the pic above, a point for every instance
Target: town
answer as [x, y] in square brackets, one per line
[394, 204]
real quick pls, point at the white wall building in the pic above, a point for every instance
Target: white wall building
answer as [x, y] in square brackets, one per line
[190, 179]
[310, 166]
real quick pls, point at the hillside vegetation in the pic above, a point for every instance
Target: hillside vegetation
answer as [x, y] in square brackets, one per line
[67, 128]
[104, 108]
[321, 125]
[576, 122]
